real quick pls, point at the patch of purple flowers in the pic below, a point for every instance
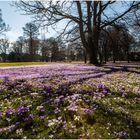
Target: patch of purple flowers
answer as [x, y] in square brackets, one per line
[121, 134]
[86, 110]
[22, 110]
[10, 112]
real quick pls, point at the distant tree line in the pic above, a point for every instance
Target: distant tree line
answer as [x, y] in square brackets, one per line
[30, 48]
[115, 44]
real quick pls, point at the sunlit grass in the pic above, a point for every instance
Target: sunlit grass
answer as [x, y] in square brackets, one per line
[9, 64]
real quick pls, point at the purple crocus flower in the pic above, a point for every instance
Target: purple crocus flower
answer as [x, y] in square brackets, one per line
[82, 91]
[10, 112]
[105, 92]
[1, 114]
[22, 110]
[121, 134]
[17, 123]
[42, 117]
[101, 86]
[86, 110]
[90, 93]
[42, 110]
[29, 118]
[47, 91]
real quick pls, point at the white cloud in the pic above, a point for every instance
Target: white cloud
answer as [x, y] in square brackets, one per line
[12, 35]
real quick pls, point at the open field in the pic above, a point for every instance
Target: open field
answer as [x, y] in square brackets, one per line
[70, 101]
[8, 64]
[14, 64]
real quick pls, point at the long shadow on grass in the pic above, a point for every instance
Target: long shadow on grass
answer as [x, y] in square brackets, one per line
[136, 66]
[101, 73]
[120, 120]
[122, 68]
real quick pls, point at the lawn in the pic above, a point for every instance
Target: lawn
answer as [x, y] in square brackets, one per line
[70, 101]
[11, 64]
[8, 64]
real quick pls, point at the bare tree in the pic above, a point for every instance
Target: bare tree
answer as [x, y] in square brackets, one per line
[53, 49]
[31, 31]
[44, 49]
[115, 43]
[4, 45]
[20, 43]
[89, 17]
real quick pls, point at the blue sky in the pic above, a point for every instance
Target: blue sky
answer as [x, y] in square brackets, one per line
[15, 20]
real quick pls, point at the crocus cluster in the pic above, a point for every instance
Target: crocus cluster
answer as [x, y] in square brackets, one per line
[70, 101]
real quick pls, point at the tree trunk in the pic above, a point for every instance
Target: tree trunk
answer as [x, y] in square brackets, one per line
[105, 51]
[114, 52]
[100, 57]
[85, 56]
[114, 57]
[128, 57]
[93, 48]
[91, 43]
[93, 54]
[93, 58]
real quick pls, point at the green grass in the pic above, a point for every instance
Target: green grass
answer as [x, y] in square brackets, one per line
[8, 64]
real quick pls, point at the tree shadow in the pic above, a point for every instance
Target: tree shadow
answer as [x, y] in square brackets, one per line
[104, 115]
[122, 69]
[123, 118]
